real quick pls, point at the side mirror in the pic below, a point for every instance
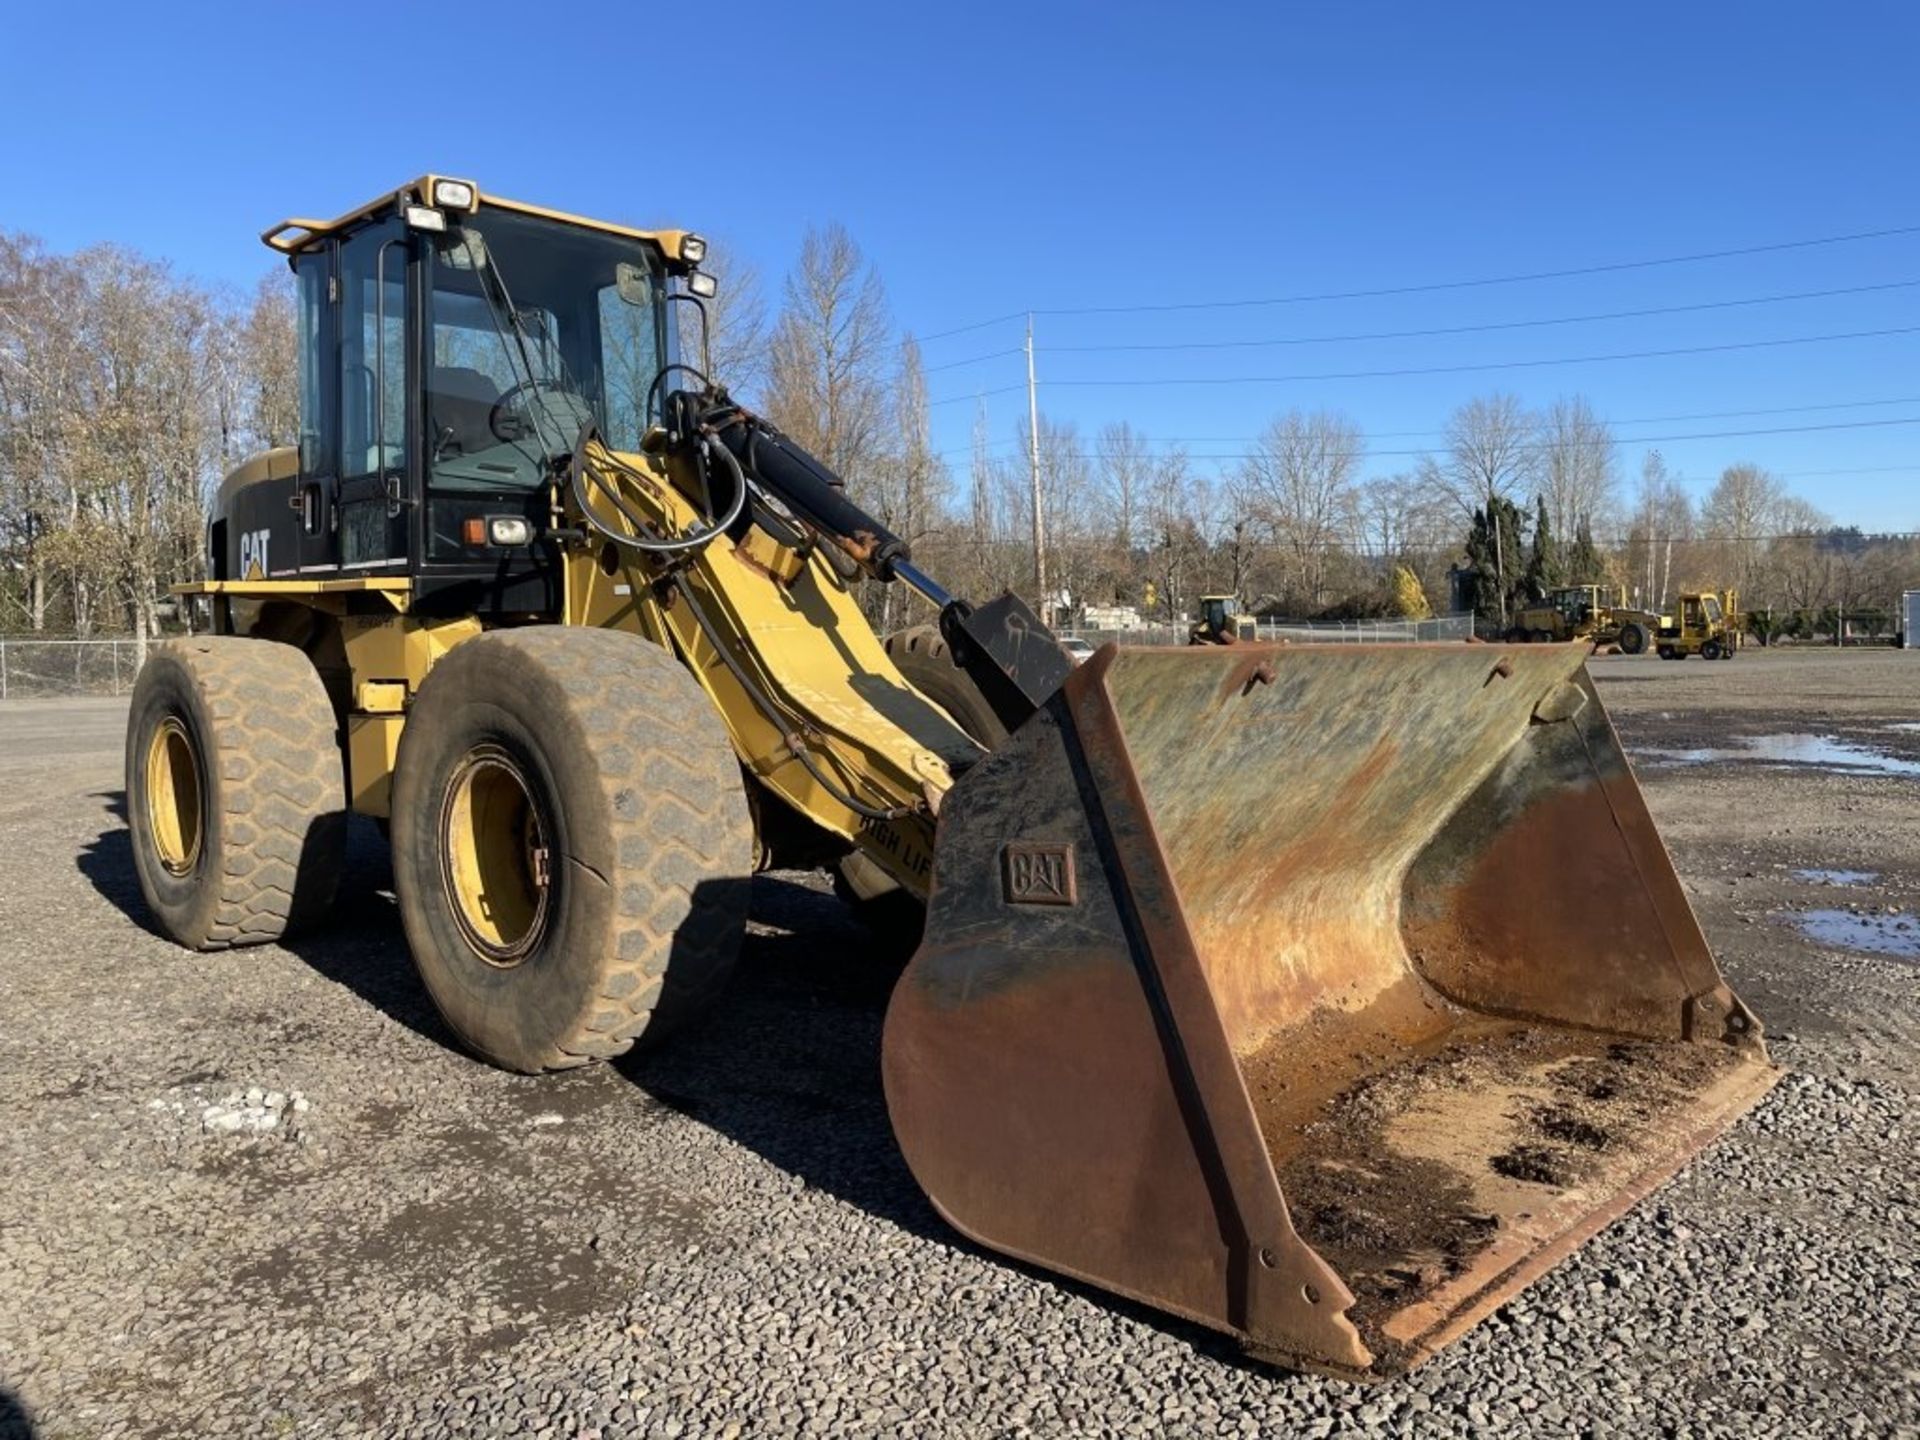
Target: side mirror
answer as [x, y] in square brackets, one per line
[633, 284]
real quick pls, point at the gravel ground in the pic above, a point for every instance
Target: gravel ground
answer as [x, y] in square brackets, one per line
[260, 1194]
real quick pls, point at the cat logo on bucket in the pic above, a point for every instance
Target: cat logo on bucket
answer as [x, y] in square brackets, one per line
[1039, 873]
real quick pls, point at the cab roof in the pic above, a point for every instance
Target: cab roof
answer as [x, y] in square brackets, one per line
[291, 236]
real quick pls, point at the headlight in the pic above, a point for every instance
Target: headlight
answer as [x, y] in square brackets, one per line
[703, 285]
[453, 194]
[508, 530]
[422, 217]
[693, 249]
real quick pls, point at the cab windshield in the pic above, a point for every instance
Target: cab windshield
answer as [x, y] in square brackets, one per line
[534, 329]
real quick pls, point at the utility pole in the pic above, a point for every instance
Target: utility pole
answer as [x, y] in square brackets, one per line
[1033, 467]
[1499, 551]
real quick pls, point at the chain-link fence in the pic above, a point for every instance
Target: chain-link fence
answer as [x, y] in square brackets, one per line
[36, 669]
[1302, 632]
[33, 668]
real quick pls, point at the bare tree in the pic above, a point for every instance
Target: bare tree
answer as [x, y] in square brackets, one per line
[1662, 515]
[1740, 511]
[736, 329]
[1576, 466]
[268, 358]
[1301, 475]
[1126, 461]
[1491, 453]
[909, 493]
[830, 357]
[1177, 506]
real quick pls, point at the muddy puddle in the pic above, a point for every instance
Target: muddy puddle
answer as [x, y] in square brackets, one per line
[1864, 931]
[1845, 879]
[1817, 752]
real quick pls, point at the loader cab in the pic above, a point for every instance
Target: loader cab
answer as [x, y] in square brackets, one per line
[451, 348]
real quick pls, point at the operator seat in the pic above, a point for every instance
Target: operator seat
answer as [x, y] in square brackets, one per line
[459, 403]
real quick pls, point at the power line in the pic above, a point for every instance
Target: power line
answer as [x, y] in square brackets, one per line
[976, 395]
[1429, 333]
[1441, 433]
[1611, 267]
[1408, 370]
[1467, 329]
[1545, 446]
[972, 360]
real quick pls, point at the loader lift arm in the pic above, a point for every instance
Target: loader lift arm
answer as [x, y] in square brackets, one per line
[1006, 650]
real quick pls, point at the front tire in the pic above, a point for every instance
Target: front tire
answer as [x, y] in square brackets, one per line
[235, 793]
[571, 844]
[1711, 650]
[1633, 639]
[921, 656]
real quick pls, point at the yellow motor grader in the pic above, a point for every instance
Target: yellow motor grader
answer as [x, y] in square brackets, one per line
[1595, 613]
[1226, 999]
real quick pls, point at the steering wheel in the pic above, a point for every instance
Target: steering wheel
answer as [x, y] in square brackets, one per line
[503, 407]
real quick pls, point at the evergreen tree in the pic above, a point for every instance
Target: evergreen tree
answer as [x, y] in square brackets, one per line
[1543, 560]
[1584, 563]
[1480, 552]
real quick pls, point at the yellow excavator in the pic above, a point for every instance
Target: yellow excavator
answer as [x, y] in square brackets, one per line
[1226, 1000]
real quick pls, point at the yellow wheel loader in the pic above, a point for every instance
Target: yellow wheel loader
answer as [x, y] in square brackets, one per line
[1226, 1000]
[1707, 625]
[1219, 622]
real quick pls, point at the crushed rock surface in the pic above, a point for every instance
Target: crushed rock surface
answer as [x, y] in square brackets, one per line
[261, 1194]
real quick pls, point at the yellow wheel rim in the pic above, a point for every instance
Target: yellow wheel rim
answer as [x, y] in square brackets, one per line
[494, 843]
[173, 796]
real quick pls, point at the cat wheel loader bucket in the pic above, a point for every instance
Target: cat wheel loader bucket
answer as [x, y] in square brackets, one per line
[1241, 995]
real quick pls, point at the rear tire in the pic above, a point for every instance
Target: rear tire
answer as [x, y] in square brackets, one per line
[1711, 650]
[235, 793]
[572, 845]
[1633, 639]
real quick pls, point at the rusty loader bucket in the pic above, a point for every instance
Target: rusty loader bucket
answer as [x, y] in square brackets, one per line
[1323, 995]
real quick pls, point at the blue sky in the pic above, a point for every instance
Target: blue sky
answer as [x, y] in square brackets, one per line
[993, 158]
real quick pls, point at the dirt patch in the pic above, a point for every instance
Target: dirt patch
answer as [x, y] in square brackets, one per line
[1534, 1164]
[1494, 1134]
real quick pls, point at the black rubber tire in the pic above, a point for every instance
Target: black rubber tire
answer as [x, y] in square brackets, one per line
[1633, 638]
[1667, 652]
[267, 782]
[920, 654]
[650, 843]
[1711, 650]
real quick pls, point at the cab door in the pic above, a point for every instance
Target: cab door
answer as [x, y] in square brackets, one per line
[374, 379]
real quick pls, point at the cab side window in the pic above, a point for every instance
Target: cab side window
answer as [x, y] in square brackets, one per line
[373, 353]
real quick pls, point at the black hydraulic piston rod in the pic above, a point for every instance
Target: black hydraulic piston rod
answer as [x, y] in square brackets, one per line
[1007, 650]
